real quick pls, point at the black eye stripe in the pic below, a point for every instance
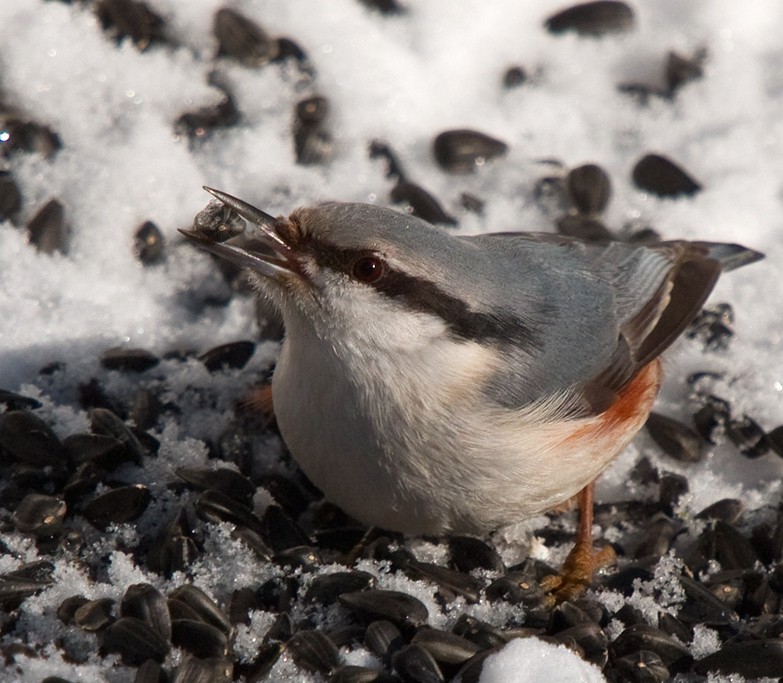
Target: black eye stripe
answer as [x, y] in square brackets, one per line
[425, 296]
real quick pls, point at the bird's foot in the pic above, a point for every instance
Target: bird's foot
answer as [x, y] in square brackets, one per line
[577, 572]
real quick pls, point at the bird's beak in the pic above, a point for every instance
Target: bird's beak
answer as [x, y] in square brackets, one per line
[266, 253]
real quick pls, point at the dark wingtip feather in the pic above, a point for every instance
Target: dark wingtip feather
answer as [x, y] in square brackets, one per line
[731, 256]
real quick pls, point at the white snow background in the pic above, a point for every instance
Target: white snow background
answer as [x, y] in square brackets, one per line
[403, 79]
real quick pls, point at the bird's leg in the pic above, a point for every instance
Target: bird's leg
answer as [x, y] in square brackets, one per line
[583, 560]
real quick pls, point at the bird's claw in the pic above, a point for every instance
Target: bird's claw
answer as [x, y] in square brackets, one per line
[577, 573]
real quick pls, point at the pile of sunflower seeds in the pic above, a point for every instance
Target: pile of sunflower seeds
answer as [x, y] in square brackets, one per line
[314, 591]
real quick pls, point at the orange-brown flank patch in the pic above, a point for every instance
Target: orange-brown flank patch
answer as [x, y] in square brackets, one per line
[629, 411]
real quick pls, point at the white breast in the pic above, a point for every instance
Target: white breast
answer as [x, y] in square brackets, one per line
[399, 437]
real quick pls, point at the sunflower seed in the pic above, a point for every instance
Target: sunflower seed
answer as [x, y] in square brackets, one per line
[450, 583]
[242, 39]
[445, 647]
[515, 76]
[211, 670]
[463, 150]
[94, 615]
[28, 438]
[702, 607]
[326, 588]
[641, 667]
[218, 222]
[732, 549]
[416, 665]
[584, 228]
[148, 243]
[128, 360]
[383, 638]
[147, 603]
[727, 587]
[199, 638]
[380, 150]
[10, 196]
[281, 629]
[386, 7]
[752, 659]
[675, 439]
[254, 542]
[68, 607]
[174, 551]
[134, 641]
[243, 601]
[228, 356]
[280, 532]
[661, 176]
[401, 609]
[290, 49]
[118, 506]
[130, 19]
[775, 440]
[727, 510]
[589, 188]
[593, 18]
[470, 672]
[712, 417]
[214, 506]
[13, 401]
[20, 135]
[590, 639]
[93, 395]
[644, 637]
[514, 589]
[624, 581]
[313, 651]
[39, 514]
[657, 538]
[483, 634]
[748, 436]
[714, 326]
[150, 672]
[105, 422]
[567, 615]
[26, 580]
[675, 627]
[670, 489]
[680, 70]
[470, 202]
[200, 123]
[103, 451]
[306, 557]
[468, 553]
[223, 479]
[203, 605]
[422, 204]
[312, 141]
[351, 673]
[259, 669]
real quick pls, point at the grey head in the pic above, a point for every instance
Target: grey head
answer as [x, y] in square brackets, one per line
[572, 320]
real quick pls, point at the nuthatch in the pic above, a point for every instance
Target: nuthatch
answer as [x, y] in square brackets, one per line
[433, 384]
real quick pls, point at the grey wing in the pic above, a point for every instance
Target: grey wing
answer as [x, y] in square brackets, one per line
[610, 309]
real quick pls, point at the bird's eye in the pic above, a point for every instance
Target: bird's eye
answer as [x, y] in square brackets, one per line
[368, 269]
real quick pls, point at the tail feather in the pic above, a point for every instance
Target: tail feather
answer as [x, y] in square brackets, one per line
[731, 256]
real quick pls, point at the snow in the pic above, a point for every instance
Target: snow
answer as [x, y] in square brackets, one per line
[402, 79]
[528, 660]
